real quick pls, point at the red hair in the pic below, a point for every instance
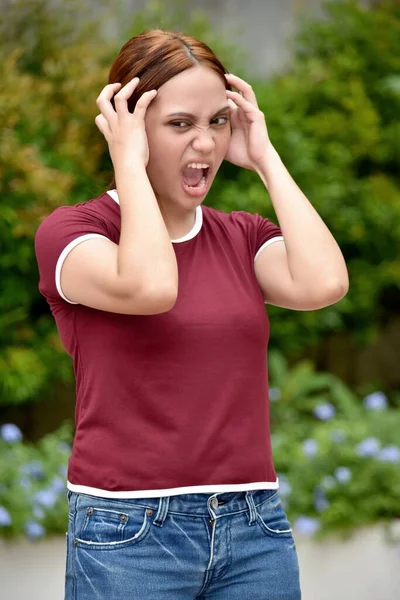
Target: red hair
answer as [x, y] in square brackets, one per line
[155, 56]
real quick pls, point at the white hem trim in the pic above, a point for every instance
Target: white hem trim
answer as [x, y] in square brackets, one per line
[64, 255]
[278, 238]
[194, 489]
[192, 233]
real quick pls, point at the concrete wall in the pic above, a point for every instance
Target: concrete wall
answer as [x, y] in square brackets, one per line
[264, 28]
[364, 568]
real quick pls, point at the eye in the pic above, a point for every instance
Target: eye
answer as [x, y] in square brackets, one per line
[223, 120]
[179, 124]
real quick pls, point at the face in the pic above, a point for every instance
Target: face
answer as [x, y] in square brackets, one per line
[187, 123]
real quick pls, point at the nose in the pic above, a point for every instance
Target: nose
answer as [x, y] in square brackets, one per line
[203, 141]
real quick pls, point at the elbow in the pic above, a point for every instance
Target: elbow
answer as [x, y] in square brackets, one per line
[163, 298]
[336, 289]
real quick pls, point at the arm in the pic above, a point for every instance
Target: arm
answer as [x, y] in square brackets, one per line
[140, 275]
[307, 271]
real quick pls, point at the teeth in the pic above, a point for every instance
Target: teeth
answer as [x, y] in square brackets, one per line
[201, 184]
[198, 166]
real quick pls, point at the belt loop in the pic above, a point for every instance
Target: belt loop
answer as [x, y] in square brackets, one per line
[252, 507]
[162, 511]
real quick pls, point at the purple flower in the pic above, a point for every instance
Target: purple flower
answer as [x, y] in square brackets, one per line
[58, 485]
[321, 504]
[33, 469]
[307, 525]
[320, 501]
[25, 483]
[338, 436]
[5, 518]
[343, 474]
[64, 447]
[389, 454]
[368, 447]
[324, 411]
[34, 530]
[328, 482]
[11, 433]
[63, 470]
[375, 401]
[285, 489]
[38, 512]
[275, 394]
[46, 498]
[310, 447]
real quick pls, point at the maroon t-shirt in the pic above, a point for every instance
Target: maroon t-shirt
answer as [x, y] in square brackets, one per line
[176, 402]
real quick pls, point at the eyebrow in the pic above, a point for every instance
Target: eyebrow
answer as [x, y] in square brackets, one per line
[191, 116]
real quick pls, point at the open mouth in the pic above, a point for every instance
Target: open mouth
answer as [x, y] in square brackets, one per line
[195, 180]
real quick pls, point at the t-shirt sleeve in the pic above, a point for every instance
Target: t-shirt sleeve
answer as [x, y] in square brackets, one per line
[266, 233]
[56, 236]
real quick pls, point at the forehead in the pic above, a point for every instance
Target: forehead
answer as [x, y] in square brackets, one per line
[198, 88]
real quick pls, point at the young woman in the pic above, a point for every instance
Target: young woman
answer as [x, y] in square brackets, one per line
[160, 301]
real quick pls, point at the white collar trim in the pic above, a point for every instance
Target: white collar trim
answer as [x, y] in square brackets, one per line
[192, 233]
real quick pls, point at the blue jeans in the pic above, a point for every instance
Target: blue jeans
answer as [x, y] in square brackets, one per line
[223, 546]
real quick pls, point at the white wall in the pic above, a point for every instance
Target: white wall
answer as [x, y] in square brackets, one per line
[363, 568]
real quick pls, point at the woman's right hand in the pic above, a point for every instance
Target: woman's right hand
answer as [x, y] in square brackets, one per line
[125, 132]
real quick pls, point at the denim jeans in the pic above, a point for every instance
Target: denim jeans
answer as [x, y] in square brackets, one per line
[223, 546]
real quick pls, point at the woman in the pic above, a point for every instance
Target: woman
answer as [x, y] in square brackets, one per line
[171, 485]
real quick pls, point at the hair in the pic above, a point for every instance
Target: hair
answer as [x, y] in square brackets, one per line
[157, 55]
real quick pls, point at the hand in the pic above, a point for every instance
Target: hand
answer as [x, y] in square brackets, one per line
[124, 131]
[250, 139]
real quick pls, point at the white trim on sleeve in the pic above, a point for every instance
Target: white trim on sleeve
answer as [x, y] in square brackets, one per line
[64, 255]
[279, 238]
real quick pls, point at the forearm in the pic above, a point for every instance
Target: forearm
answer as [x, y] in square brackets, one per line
[314, 257]
[146, 257]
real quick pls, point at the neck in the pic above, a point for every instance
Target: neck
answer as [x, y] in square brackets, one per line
[177, 221]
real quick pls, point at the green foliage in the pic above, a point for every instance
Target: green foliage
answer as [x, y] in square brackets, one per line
[333, 118]
[51, 153]
[32, 485]
[330, 450]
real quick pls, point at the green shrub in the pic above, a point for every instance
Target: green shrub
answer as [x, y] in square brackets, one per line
[337, 458]
[33, 501]
[53, 67]
[333, 117]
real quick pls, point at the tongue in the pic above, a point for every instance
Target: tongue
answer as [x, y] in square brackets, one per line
[192, 176]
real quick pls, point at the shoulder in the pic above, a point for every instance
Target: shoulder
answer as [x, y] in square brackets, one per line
[93, 211]
[234, 219]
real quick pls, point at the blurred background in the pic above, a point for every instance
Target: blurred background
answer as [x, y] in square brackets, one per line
[327, 76]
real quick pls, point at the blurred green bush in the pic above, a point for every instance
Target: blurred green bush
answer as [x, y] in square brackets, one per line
[332, 117]
[337, 456]
[53, 67]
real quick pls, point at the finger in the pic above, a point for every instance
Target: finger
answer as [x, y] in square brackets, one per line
[232, 105]
[244, 87]
[103, 100]
[103, 125]
[240, 101]
[121, 99]
[143, 103]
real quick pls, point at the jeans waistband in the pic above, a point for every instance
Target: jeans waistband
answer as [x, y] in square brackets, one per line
[204, 505]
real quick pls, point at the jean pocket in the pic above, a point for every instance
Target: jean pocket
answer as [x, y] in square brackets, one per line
[272, 518]
[112, 528]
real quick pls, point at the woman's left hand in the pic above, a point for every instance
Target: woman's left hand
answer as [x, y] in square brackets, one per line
[250, 140]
